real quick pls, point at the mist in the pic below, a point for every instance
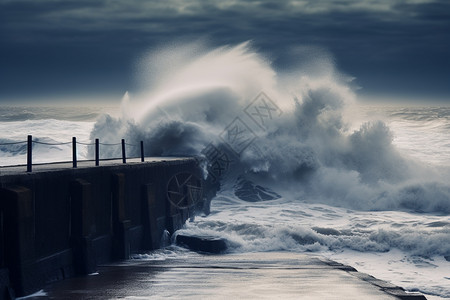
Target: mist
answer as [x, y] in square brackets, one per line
[305, 140]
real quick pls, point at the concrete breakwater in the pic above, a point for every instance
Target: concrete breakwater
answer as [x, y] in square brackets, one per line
[56, 223]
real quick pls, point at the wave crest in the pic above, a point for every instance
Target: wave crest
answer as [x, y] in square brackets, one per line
[307, 150]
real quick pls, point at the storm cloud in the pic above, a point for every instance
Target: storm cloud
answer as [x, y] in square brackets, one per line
[52, 47]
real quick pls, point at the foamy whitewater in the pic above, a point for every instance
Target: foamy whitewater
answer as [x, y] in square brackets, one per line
[363, 185]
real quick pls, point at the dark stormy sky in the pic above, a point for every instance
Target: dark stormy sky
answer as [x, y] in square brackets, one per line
[87, 49]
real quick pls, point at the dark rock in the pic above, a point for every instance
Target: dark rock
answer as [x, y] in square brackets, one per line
[401, 294]
[438, 224]
[208, 244]
[326, 231]
[303, 240]
[248, 191]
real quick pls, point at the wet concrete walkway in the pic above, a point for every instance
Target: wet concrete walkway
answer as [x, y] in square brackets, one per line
[268, 275]
[47, 167]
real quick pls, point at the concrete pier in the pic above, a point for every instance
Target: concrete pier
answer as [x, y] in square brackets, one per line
[58, 221]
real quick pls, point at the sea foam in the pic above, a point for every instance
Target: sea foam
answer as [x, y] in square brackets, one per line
[309, 149]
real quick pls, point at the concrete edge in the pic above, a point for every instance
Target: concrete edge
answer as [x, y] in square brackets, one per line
[384, 286]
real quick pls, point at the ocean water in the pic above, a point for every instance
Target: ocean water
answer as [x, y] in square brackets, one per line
[52, 126]
[365, 185]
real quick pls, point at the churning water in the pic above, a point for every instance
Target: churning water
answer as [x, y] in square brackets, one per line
[364, 185]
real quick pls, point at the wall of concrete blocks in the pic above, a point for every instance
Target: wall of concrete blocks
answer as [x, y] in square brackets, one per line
[61, 223]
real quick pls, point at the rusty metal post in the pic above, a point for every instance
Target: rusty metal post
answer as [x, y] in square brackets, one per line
[97, 152]
[29, 153]
[74, 151]
[124, 157]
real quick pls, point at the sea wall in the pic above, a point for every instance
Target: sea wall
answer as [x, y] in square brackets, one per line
[59, 223]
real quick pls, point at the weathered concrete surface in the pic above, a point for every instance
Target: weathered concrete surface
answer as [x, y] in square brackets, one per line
[57, 221]
[44, 167]
[272, 275]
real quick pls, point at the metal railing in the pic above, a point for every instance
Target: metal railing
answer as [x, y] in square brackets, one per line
[74, 143]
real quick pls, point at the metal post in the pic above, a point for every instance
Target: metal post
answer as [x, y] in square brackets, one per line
[29, 153]
[74, 151]
[124, 157]
[97, 152]
[142, 151]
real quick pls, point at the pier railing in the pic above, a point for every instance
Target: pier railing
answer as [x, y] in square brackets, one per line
[74, 143]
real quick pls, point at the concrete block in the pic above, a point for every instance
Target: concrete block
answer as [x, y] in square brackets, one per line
[6, 291]
[54, 267]
[160, 230]
[208, 244]
[121, 243]
[135, 235]
[82, 209]
[174, 222]
[82, 227]
[186, 214]
[19, 235]
[84, 256]
[18, 207]
[102, 247]
[152, 232]
[118, 197]
[401, 294]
